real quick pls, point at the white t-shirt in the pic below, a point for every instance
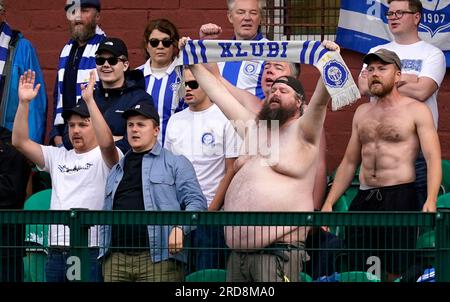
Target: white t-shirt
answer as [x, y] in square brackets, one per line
[78, 181]
[206, 138]
[423, 60]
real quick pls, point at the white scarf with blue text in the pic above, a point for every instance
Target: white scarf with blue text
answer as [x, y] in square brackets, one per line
[336, 75]
[87, 63]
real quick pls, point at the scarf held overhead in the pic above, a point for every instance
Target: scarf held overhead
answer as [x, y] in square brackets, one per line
[335, 74]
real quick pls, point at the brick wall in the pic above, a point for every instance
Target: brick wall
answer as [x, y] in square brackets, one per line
[43, 23]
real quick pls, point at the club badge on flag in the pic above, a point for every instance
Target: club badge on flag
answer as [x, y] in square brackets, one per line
[363, 25]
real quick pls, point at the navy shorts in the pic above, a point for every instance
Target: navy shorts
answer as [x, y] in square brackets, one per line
[383, 242]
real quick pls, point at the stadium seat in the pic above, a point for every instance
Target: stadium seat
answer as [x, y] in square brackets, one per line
[304, 277]
[443, 201]
[445, 183]
[357, 276]
[36, 239]
[207, 275]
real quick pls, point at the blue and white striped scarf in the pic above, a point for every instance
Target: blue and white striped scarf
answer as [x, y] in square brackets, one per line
[87, 63]
[5, 38]
[336, 75]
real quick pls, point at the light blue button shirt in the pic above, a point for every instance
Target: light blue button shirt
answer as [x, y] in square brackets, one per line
[169, 183]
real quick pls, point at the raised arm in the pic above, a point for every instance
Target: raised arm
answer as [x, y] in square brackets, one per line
[248, 100]
[312, 121]
[20, 138]
[102, 131]
[429, 142]
[217, 92]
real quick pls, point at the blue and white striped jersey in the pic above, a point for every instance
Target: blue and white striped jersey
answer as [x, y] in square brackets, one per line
[167, 93]
[245, 74]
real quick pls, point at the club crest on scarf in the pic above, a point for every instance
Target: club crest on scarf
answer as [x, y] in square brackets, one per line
[335, 74]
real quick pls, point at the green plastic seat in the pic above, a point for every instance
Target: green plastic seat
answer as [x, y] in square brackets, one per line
[426, 241]
[357, 276]
[443, 201]
[445, 183]
[426, 244]
[304, 277]
[207, 275]
[36, 239]
[34, 266]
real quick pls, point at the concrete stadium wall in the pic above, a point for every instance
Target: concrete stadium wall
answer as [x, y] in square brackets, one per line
[44, 23]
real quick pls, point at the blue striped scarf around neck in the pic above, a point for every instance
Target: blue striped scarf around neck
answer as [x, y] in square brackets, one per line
[5, 38]
[87, 63]
[336, 75]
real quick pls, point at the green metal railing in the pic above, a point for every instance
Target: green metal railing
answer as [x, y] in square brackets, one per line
[79, 221]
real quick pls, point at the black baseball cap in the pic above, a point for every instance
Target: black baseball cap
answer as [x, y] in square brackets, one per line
[113, 45]
[80, 109]
[144, 108]
[291, 82]
[86, 3]
[383, 55]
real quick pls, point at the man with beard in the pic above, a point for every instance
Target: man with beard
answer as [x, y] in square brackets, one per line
[385, 139]
[270, 177]
[423, 68]
[273, 70]
[76, 61]
[78, 176]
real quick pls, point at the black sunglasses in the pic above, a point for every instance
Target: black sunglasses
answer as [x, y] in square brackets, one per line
[111, 60]
[191, 84]
[165, 42]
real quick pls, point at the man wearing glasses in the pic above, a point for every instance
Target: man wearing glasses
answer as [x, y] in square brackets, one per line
[118, 89]
[423, 68]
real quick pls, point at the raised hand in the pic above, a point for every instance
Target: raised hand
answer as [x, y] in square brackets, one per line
[331, 45]
[87, 90]
[210, 31]
[182, 42]
[27, 91]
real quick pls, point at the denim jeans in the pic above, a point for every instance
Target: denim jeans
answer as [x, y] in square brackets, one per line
[56, 266]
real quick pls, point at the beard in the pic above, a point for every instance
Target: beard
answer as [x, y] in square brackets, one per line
[81, 32]
[381, 90]
[280, 114]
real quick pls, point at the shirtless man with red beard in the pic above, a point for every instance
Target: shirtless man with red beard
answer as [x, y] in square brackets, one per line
[281, 179]
[385, 139]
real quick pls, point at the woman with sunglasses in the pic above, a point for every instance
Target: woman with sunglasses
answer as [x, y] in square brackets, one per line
[118, 88]
[162, 77]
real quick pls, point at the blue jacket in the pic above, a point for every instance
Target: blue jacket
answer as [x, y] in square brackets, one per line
[113, 102]
[23, 57]
[169, 183]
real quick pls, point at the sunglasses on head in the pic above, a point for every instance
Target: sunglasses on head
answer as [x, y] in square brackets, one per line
[191, 84]
[165, 42]
[111, 60]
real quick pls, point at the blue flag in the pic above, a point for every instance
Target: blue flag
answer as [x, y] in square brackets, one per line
[363, 25]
